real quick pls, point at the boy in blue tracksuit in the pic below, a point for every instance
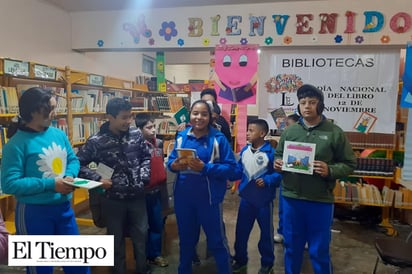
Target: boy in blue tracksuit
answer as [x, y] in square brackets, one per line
[200, 188]
[257, 190]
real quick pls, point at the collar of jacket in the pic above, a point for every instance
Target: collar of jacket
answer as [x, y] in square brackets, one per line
[302, 123]
[106, 130]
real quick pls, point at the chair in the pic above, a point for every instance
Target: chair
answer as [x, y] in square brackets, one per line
[394, 252]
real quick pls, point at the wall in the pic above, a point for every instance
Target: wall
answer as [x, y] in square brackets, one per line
[184, 73]
[33, 30]
[280, 24]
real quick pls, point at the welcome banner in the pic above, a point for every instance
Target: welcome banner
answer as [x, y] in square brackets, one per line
[360, 86]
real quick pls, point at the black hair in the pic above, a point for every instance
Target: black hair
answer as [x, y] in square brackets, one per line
[294, 117]
[209, 110]
[116, 105]
[33, 100]
[209, 91]
[142, 119]
[214, 107]
[311, 92]
[261, 123]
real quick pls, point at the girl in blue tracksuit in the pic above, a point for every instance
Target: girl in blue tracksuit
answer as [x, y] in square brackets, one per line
[200, 187]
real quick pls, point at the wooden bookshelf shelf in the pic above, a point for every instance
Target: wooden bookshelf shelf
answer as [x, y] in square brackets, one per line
[372, 177]
[147, 111]
[10, 115]
[360, 203]
[78, 144]
[88, 113]
[80, 92]
[408, 207]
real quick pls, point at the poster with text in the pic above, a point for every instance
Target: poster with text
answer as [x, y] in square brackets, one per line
[353, 82]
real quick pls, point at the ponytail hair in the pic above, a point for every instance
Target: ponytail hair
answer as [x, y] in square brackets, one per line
[12, 128]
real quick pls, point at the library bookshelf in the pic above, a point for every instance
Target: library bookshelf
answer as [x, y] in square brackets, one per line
[375, 181]
[80, 110]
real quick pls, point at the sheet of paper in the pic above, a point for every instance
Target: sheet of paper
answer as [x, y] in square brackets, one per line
[105, 171]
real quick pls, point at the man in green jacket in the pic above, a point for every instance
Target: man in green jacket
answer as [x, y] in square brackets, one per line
[308, 198]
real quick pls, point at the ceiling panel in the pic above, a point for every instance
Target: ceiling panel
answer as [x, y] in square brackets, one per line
[95, 5]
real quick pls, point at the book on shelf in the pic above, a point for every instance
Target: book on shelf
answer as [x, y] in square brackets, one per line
[375, 167]
[61, 99]
[388, 196]
[3, 137]
[175, 103]
[372, 140]
[9, 101]
[78, 130]
[186, 102]
[362, 193]
[60, 123]
[398, 200]
[166, 125]
[404, 197]
[163, 103]
[139, 103]
[78, 100]
[153, 104]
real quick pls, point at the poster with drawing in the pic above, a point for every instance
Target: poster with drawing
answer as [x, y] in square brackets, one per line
[365, 122]
[352, 83]
[298, 157]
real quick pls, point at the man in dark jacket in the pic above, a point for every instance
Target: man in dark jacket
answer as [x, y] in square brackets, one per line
[120, 150]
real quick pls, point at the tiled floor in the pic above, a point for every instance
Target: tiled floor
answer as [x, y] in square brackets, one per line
[352, 247]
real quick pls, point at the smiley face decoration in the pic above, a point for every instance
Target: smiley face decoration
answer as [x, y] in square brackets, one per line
[236, 73]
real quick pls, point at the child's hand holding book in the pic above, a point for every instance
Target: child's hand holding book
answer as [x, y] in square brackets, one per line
[187, 160]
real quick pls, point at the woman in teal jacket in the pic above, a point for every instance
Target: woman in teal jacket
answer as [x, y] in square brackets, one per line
[36, 162]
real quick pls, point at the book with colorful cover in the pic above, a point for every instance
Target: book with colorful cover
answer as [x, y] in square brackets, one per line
[186, 153]
[279, 117]
[298, 157]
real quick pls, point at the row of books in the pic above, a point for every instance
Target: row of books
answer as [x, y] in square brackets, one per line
[95, 100]
[9, 101]
[85, 100]
[372, 140]
[360, 193]
[375, 167]
[403, 197]
[163, 103]
[3, 137]
[83, 127]
[166, 126]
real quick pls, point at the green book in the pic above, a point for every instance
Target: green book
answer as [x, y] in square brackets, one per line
[182, 115]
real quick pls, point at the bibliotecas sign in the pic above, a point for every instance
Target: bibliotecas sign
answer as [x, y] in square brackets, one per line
[360, 87]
